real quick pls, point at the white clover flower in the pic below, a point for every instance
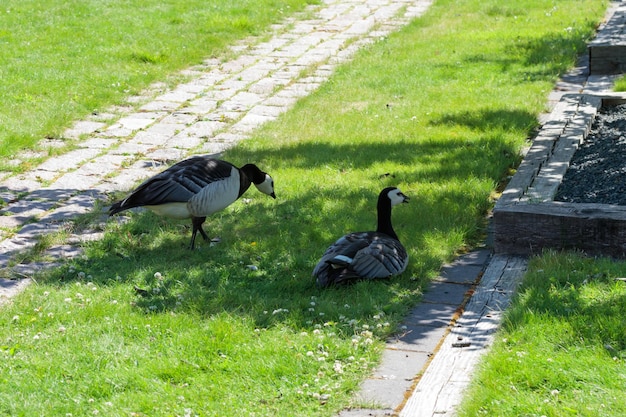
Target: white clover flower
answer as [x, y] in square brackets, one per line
[157, 275]
[338, 367]
[309, 353]
[317, 331]
[16, 318]
[81, 275]
[68, 300]
[62, 329]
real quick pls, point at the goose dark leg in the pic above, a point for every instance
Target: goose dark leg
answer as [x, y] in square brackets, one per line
[197, 227]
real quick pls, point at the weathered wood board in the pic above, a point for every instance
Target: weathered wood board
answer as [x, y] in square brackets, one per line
[607, 52]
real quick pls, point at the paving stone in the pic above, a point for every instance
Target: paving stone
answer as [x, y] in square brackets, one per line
[97, 143]
[76, 181]
[11, 287]
[392, 378]
[445, 292]
[418, 337]
[176, 96]
[68, 160]
[460, 274]
[158, 105]
[157, 134]
[81, 128]
[431, 314]
[367, 412]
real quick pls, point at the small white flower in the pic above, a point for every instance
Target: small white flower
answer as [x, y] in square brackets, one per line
[62, 329]
[157, 275]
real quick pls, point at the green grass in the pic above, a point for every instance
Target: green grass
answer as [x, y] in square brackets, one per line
[444, 119]
[63, 60]
[620, 84]
[562, 349]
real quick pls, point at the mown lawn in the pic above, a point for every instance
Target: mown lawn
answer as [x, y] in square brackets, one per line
[440, 109]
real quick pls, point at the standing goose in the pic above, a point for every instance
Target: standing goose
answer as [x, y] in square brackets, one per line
[195, 188]
[366, 255]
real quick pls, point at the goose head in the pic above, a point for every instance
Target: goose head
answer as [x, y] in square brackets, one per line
[261, 180]
[395, 196]
[266, 186]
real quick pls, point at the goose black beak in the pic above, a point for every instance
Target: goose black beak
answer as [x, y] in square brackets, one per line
[273, 195]
[406, 198]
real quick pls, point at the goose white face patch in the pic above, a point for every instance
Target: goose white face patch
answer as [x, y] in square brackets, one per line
[397, 197]
[267, 186]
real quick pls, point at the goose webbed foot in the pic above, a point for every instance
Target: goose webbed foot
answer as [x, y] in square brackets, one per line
[197, 227]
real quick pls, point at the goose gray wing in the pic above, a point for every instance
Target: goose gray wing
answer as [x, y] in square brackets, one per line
[383, 257]
[337, 258]
[178, 183]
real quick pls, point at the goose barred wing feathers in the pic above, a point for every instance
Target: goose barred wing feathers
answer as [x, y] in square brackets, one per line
[178, 183]
[361, 255]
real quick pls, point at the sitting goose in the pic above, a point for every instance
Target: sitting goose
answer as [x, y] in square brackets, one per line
[366, 255]
[195, 188]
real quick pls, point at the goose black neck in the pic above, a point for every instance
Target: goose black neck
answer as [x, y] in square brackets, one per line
[384, 217]
[253, 173]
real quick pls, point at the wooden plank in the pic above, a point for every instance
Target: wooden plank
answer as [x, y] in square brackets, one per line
[524, 229]
[607, 52]
[440, 389]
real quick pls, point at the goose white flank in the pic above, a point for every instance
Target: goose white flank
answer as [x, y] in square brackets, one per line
[196, 188]
[366, 255]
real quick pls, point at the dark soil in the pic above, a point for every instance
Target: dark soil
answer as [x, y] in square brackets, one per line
[597, 171]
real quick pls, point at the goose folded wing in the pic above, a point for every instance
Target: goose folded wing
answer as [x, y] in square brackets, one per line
[342, 251]
[380, 260]
[178, 183]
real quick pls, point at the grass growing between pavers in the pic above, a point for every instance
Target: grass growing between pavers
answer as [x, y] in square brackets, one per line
[562, 349]
[440, 109]
[64, 60]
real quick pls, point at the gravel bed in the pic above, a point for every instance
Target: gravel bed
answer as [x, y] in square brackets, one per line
[597, 171]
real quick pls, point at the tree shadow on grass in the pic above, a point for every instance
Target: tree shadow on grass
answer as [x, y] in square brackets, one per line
[269, 247]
